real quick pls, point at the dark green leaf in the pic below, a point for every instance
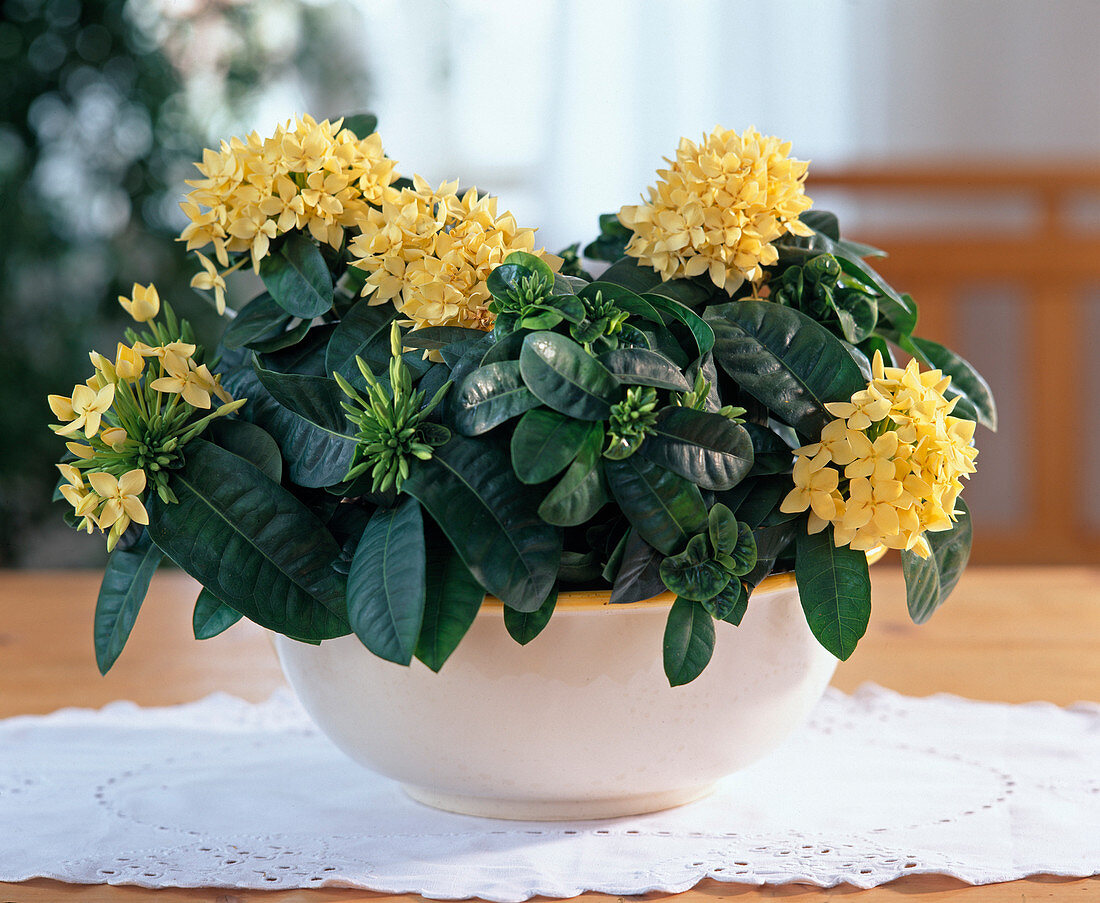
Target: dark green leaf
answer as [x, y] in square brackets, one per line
[364, 331]
[897, 310]
[699, 328]
[567, 378]
[627, 272]
[451, 601]
[248, 441]
[835, 590]
[432, 338]
[771, 543]
[770, 454]
[361, 124]
[212, 616]
[639, 572]
[689, 642]
[489, 516]
[125, 583]
[664, 508]
[252, 543]
[965, 380]
[505, 348]
[695, 580]
[822, 221]
[731, 604]
[387, 583]
[688, 292]
[545, 442]
[581, 492]
[929, 581]
[306, 357]
[642, 367]
[260, 319]
[489, 396]
[313, 457]
[708, 449]
[316, 399]
[524, 626]
[722, 528]
[744, 552]
[297, 277]
[785, 360]
[288, 339]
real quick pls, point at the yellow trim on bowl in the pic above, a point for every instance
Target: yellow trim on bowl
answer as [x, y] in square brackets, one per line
[576, 600]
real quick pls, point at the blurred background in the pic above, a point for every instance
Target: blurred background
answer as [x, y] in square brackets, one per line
[961, 135]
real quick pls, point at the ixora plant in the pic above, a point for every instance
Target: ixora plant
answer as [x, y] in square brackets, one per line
[429, 409]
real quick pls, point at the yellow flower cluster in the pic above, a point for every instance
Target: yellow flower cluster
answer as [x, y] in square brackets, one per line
[431, 252]
[718, 208]
[904, 457]
[131, 419]
[308, 175]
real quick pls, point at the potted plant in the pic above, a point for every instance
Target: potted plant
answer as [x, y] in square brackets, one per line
[430, 434]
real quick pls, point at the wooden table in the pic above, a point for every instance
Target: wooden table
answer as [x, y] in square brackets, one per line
[1010, 634]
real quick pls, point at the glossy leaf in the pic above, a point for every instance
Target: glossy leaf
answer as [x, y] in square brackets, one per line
[298, 278]
[639, 572]
[663, 507]
[313, 456]
[694, 576]
[731, 604]
[261, 318]
[688, 642]
[566, 378]
[929, 581]
[708, 449]
[580, 493]
[524, 626]
[489, 516]
[361, 124]
[316, 399]
[489, 396]
[744, 552]
[722, 529]
[965, 380]
[387, 582]
[505, 348]
[622, 297]
[451, 602]
[545, 442]
[835, 590]
[252, 543]
[642, 367]
[770, 454]
[771, 543]
[627, 272]
[125, 583]
[248, 441]
[364, 331]
[699, 328]
[432, 338]
[212, 616]
[785, 360]
[306, 357]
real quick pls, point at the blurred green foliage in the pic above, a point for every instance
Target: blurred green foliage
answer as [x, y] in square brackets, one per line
[98, 133]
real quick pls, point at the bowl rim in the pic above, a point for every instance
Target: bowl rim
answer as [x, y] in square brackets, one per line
[587, 599]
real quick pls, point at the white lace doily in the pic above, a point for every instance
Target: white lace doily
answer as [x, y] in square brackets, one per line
[223, 793]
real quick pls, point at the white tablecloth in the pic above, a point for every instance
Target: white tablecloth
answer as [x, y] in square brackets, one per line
[223, 793]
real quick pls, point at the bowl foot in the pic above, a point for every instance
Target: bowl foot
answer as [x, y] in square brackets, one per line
[556, 810]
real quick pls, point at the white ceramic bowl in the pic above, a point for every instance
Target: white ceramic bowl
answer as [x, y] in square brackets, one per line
[581, 722]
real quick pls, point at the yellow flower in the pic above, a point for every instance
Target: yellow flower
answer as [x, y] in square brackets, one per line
[121, 502]
[194, 383]
[430, 252]
[718, 208]
[210, 279]
[307, 176]
[143, 304]
[84, 410]
[174, 357]
[128, 363]
[904, 456]
[114, 437]
[83, 499]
